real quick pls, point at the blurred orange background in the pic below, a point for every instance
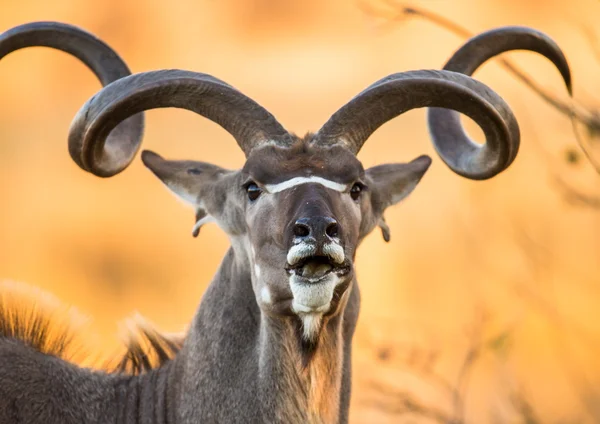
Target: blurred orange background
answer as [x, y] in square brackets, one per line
[485, 305]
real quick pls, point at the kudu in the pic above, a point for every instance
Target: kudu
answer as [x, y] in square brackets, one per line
[271, 340]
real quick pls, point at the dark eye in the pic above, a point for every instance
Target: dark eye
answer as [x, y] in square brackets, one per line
[355, 191]
[194, 171]
[253, 191]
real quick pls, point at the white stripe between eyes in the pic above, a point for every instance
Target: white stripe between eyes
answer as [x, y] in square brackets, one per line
[293, 182]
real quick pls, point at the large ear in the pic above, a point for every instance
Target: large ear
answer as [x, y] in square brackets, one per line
[391, 183]
[188, 180]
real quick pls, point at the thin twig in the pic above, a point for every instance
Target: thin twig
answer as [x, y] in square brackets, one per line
[525, 408]
[571, 108]
[575, 196]
[462, 381]
[402, 402]
[568, 191]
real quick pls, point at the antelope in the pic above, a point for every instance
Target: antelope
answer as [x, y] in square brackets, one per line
[271, 341]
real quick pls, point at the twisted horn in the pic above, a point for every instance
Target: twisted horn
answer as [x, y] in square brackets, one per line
[444, 125]
[98, 56]
[248, 122]
[399, 93]
[356, 121]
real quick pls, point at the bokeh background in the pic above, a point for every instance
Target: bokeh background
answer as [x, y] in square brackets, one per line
[484, 307]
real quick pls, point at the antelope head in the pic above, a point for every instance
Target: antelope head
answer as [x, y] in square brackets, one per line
[299, 207]
[295, 213]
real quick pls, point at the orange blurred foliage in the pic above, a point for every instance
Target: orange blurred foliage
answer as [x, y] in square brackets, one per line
[505, 269]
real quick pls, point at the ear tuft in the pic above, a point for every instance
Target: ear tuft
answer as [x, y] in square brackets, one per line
[391, 183]
[385, 230]
[201, 218]
[191, 181]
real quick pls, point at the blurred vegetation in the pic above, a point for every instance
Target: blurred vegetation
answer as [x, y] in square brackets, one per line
[484, 306]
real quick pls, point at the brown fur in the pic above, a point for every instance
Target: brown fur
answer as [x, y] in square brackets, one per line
[147, 348]
[323, 382]
[316, 383]
[323, 373]
[39, 320]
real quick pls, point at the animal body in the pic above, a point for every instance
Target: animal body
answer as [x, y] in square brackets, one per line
[271, 341]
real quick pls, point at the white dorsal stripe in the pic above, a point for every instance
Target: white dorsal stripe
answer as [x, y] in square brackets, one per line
[296, 181]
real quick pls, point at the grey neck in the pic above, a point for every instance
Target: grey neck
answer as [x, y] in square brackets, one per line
[240, 365]
[237, 365]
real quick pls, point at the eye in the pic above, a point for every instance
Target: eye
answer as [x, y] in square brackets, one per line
[253, 191]
[194, 171]
[356, 190]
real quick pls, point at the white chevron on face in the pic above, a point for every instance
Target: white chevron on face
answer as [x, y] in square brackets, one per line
[296, 181]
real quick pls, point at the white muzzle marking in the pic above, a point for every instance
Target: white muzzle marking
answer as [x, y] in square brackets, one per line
[304, 250]
[300, 251]
[335, 252]
[311, 301]
[312, 297]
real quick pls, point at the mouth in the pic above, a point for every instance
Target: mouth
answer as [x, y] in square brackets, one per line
[317, 267]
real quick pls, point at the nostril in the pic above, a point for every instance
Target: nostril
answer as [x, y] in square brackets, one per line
[301, 230]
[332, 230]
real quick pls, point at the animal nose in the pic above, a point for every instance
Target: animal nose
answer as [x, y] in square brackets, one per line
[318, 228]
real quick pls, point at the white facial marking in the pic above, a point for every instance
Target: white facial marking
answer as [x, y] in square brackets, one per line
[300, 251]
[293, 182]
[201, 222]
[265, 295]
[257, 270]
[311, 324]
